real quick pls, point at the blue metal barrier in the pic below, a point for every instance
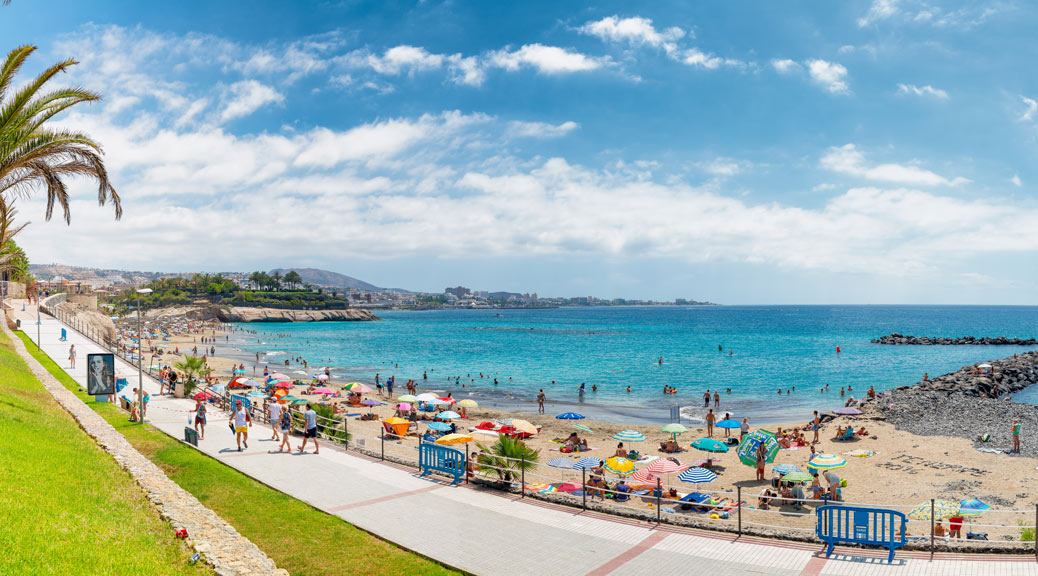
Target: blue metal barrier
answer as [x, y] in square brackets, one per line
[857, 525]
[436, 458]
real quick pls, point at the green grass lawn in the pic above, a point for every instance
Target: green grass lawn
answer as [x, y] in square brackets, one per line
[300, 538]
[66, 507]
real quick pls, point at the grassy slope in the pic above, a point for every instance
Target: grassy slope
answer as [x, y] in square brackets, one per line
[300, 538]
[66, 507]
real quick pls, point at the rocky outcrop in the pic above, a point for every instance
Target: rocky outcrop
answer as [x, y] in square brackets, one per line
[241, 314]
[898, 339]
[90, 321]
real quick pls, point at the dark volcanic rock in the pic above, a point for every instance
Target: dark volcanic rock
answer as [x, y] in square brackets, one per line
[898, 339]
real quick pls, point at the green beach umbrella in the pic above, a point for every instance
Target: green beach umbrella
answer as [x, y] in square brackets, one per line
[674, 429]
[288, 398]
[406, 398]
[709, 445]
[747, 449]
[299, 402]
[797, 477]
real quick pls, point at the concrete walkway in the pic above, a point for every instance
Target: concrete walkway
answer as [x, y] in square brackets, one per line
[485, 532]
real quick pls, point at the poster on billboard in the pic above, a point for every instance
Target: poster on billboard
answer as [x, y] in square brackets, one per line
[100, 374]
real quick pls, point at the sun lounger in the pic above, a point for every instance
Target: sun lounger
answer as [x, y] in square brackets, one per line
[847, 436]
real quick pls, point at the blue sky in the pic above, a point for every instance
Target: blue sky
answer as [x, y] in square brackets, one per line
[877, 151]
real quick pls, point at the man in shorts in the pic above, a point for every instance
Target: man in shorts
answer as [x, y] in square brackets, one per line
[710, 423]
[274, 411]
[816, 426]
[242, 420]
[310, 416]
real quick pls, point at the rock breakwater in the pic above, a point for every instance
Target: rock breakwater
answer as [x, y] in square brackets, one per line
[899, 339]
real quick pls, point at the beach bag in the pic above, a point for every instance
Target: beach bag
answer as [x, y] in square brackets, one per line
[843, 482]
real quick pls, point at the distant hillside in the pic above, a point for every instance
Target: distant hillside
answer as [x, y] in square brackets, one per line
[329, 279]
[94, 276]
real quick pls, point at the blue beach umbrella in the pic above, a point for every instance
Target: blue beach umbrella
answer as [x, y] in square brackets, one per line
[569, 416]
[586, 463]
[784, 469]
[972, 507]
[728, 424]
[440, 426]
[448, 415]
[709, 445]
[563, 463]
[630, 436]
[697, 475]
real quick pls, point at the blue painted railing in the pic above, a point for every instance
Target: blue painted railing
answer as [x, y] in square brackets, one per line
[436, 458]
[857, 525]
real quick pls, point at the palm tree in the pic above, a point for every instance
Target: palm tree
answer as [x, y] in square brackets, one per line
[275, 281]
[506, 458]
[293, 278]
[192, 367]
[33, 156]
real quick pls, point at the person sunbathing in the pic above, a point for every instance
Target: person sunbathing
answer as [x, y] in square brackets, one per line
[766, 496]
[621, 452]
[862, 431]
[670, 447]
[840, 431]
[784, 442]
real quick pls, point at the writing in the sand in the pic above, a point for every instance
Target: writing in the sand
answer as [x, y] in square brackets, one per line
[908, 463]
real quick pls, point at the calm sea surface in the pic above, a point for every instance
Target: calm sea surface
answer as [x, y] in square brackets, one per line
[772, 349]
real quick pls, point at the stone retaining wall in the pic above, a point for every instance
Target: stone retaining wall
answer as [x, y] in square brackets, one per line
[222, 547]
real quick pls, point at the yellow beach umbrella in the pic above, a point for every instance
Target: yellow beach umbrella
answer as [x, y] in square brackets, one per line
[523, 426]
[454, 439]
[620, 466]
[469, 403]
[395, 420]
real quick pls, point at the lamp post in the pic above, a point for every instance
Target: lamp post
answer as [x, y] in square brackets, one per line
[140, 357]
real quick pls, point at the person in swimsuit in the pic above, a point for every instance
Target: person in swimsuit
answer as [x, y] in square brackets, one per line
[200, 416]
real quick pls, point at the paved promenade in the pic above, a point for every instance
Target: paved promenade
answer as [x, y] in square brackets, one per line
[484, 532]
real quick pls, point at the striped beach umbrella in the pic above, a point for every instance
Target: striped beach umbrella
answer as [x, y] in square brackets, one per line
[583, 428]
[645, 477]
[629, 436]
[696, 475]
[709, 445]
[620, 466]
[665, 466]
[750, 443]
[586, 463]
[562, 463]
[826, 462]
[358, 387]
[784, 469]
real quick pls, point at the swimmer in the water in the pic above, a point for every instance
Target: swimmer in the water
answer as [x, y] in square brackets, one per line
[628, 389]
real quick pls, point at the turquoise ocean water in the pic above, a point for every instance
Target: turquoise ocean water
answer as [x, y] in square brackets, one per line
[772, 348]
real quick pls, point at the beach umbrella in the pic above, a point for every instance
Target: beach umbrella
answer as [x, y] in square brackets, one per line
[747, 449]
[287, 398]
[972, 507]
[447, 400]
[619, 466]
[728, 424]
[255, 393]
[279, 392]
[403, 406]
[439, 426]
[709, 445]
[629, 436]
[563, 463]
[358, 388]
[299, 402]
[645, 477]
[674, 429]
[696, 475]
[322, 377]
[586, 463]
[454, 439]
[486, 432]
[279, 376]
[370, 402]
[797, 476]
[583, 428]
[569, 416]
[406, 398]
[324, 390]
[523, 426]
[940, 509]
[826, 462]
[394, 420]
[235, 371]
[284, 385]
[784, 469]
[203, 396]
[468, 403]
[448, 415]
[436, 402]
[665, 466]
[847, 411]
[219, 388]
[426, 397]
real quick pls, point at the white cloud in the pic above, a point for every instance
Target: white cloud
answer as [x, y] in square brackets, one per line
[879, 10]
[784, 65]
[545, 59]
[245, 97]
[922, 91]
[405, 58]
[541, 130]
[635, 31]
[830, 75]
[723, 167]
[1016, 180]
[848, 160]
[921, 12]
[466, 70]
[1030, 109]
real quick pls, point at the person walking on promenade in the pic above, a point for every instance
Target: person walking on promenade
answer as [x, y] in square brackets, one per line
[72, 356]
[1016, 436]
[200, 415]
[310, 416]
[710, 423]
[286, 430]
[816, 426]
[540, 401]
[274, 412]
[241, 422]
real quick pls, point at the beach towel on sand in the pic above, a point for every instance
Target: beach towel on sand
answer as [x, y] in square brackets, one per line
[860, 453]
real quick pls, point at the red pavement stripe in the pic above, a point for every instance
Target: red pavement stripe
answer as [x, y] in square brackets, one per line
[385, 498]
[631, 553]
[814, 566]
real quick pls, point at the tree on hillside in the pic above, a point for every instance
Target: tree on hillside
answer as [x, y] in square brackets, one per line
[34, 157]
[293, 278]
